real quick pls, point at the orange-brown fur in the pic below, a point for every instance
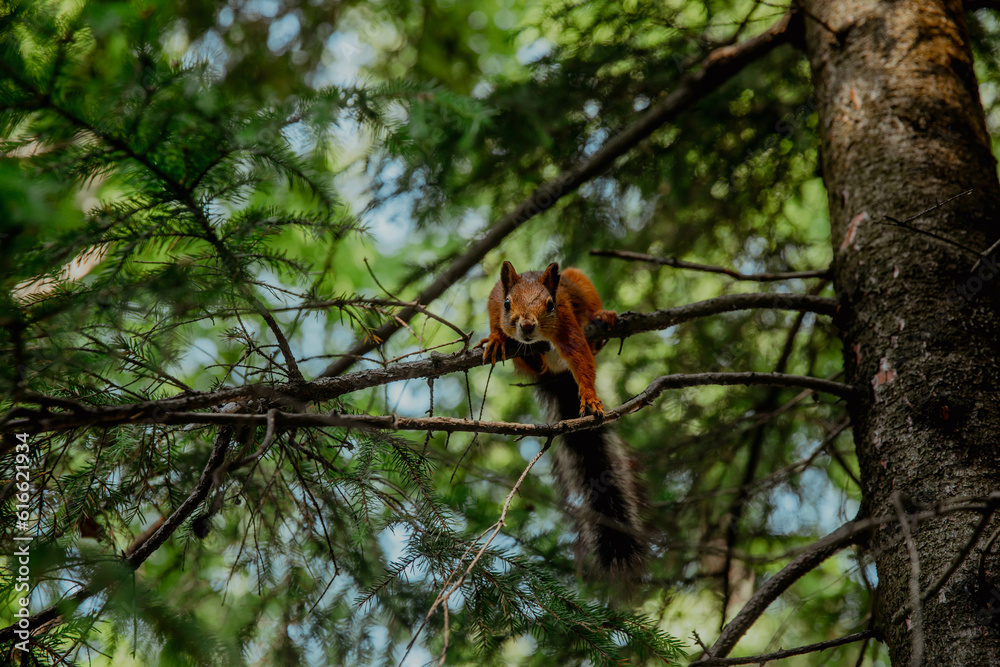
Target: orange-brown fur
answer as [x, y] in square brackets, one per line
[530, 319]
[593, 467]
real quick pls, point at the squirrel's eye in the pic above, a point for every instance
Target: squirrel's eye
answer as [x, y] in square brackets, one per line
[506, 304]
[551, 306]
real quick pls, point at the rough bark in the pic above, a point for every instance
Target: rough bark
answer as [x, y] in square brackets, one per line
[902, 129]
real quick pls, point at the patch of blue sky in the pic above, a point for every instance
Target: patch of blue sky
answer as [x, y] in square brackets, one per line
[815, 506]
[209, 50]
[534, 51]
[264, 8]
[409, 399]
[299, 138]
[344, 57]
[393, 541]
[283, 32]
[313, 328]
[391, 224]
[201, 352]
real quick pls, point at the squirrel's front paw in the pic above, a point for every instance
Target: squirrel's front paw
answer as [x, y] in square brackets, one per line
[495, 343]
[591, 406]
[605, 317]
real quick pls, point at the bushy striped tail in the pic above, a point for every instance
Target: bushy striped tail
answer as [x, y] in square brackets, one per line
[599, 480]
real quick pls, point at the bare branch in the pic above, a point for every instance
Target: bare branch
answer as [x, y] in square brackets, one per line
[763, 484]
[916, 622]
[272, 324]
[787, 653]
[140, 552]
[905, 224]
[190, 504]
[271, 417]
[985, 255]
[633, 323]
[819, 551]
[932, 208]
[682, 264]
[734, 513]
[114, 415]
[956, 563]
[298, 393]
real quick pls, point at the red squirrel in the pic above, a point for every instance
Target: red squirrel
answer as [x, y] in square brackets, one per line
[554, 307]
[593, 467]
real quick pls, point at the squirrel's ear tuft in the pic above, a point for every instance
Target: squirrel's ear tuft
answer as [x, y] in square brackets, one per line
[508, 276]
[551, 278]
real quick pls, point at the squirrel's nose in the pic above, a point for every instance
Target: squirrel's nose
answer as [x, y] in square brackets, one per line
[527, 327]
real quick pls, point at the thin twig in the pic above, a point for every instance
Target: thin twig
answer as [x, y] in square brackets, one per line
[818, 552]
[861, 653]
[271, 417]
[447, 633]
[447, 592]
[425, 350]
[981, 570]
[970, 544]
[935, 207]
[985, 255]
[799, 6]
[272, 324]
[917, 610]
[734, 512]
[787, 653]
[924, 232]
[764, 483]
[905, 224]
[708, 268]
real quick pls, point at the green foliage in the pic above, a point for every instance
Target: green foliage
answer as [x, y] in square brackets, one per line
[183, 209]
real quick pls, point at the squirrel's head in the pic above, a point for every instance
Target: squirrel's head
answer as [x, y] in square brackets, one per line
[529, 305]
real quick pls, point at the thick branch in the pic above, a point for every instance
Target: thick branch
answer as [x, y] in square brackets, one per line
[787, 653]
[816, 553]
[114, 416]
[190, 504]
[731, 521]
[717, 68]
[142, 551]
[298, 393]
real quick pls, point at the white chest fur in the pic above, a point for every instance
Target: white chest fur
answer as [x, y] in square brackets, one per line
[555, 363]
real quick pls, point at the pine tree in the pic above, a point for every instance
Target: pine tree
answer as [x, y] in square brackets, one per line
[241, 291]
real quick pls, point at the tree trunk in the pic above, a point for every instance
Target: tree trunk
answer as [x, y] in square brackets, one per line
[902, 130]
